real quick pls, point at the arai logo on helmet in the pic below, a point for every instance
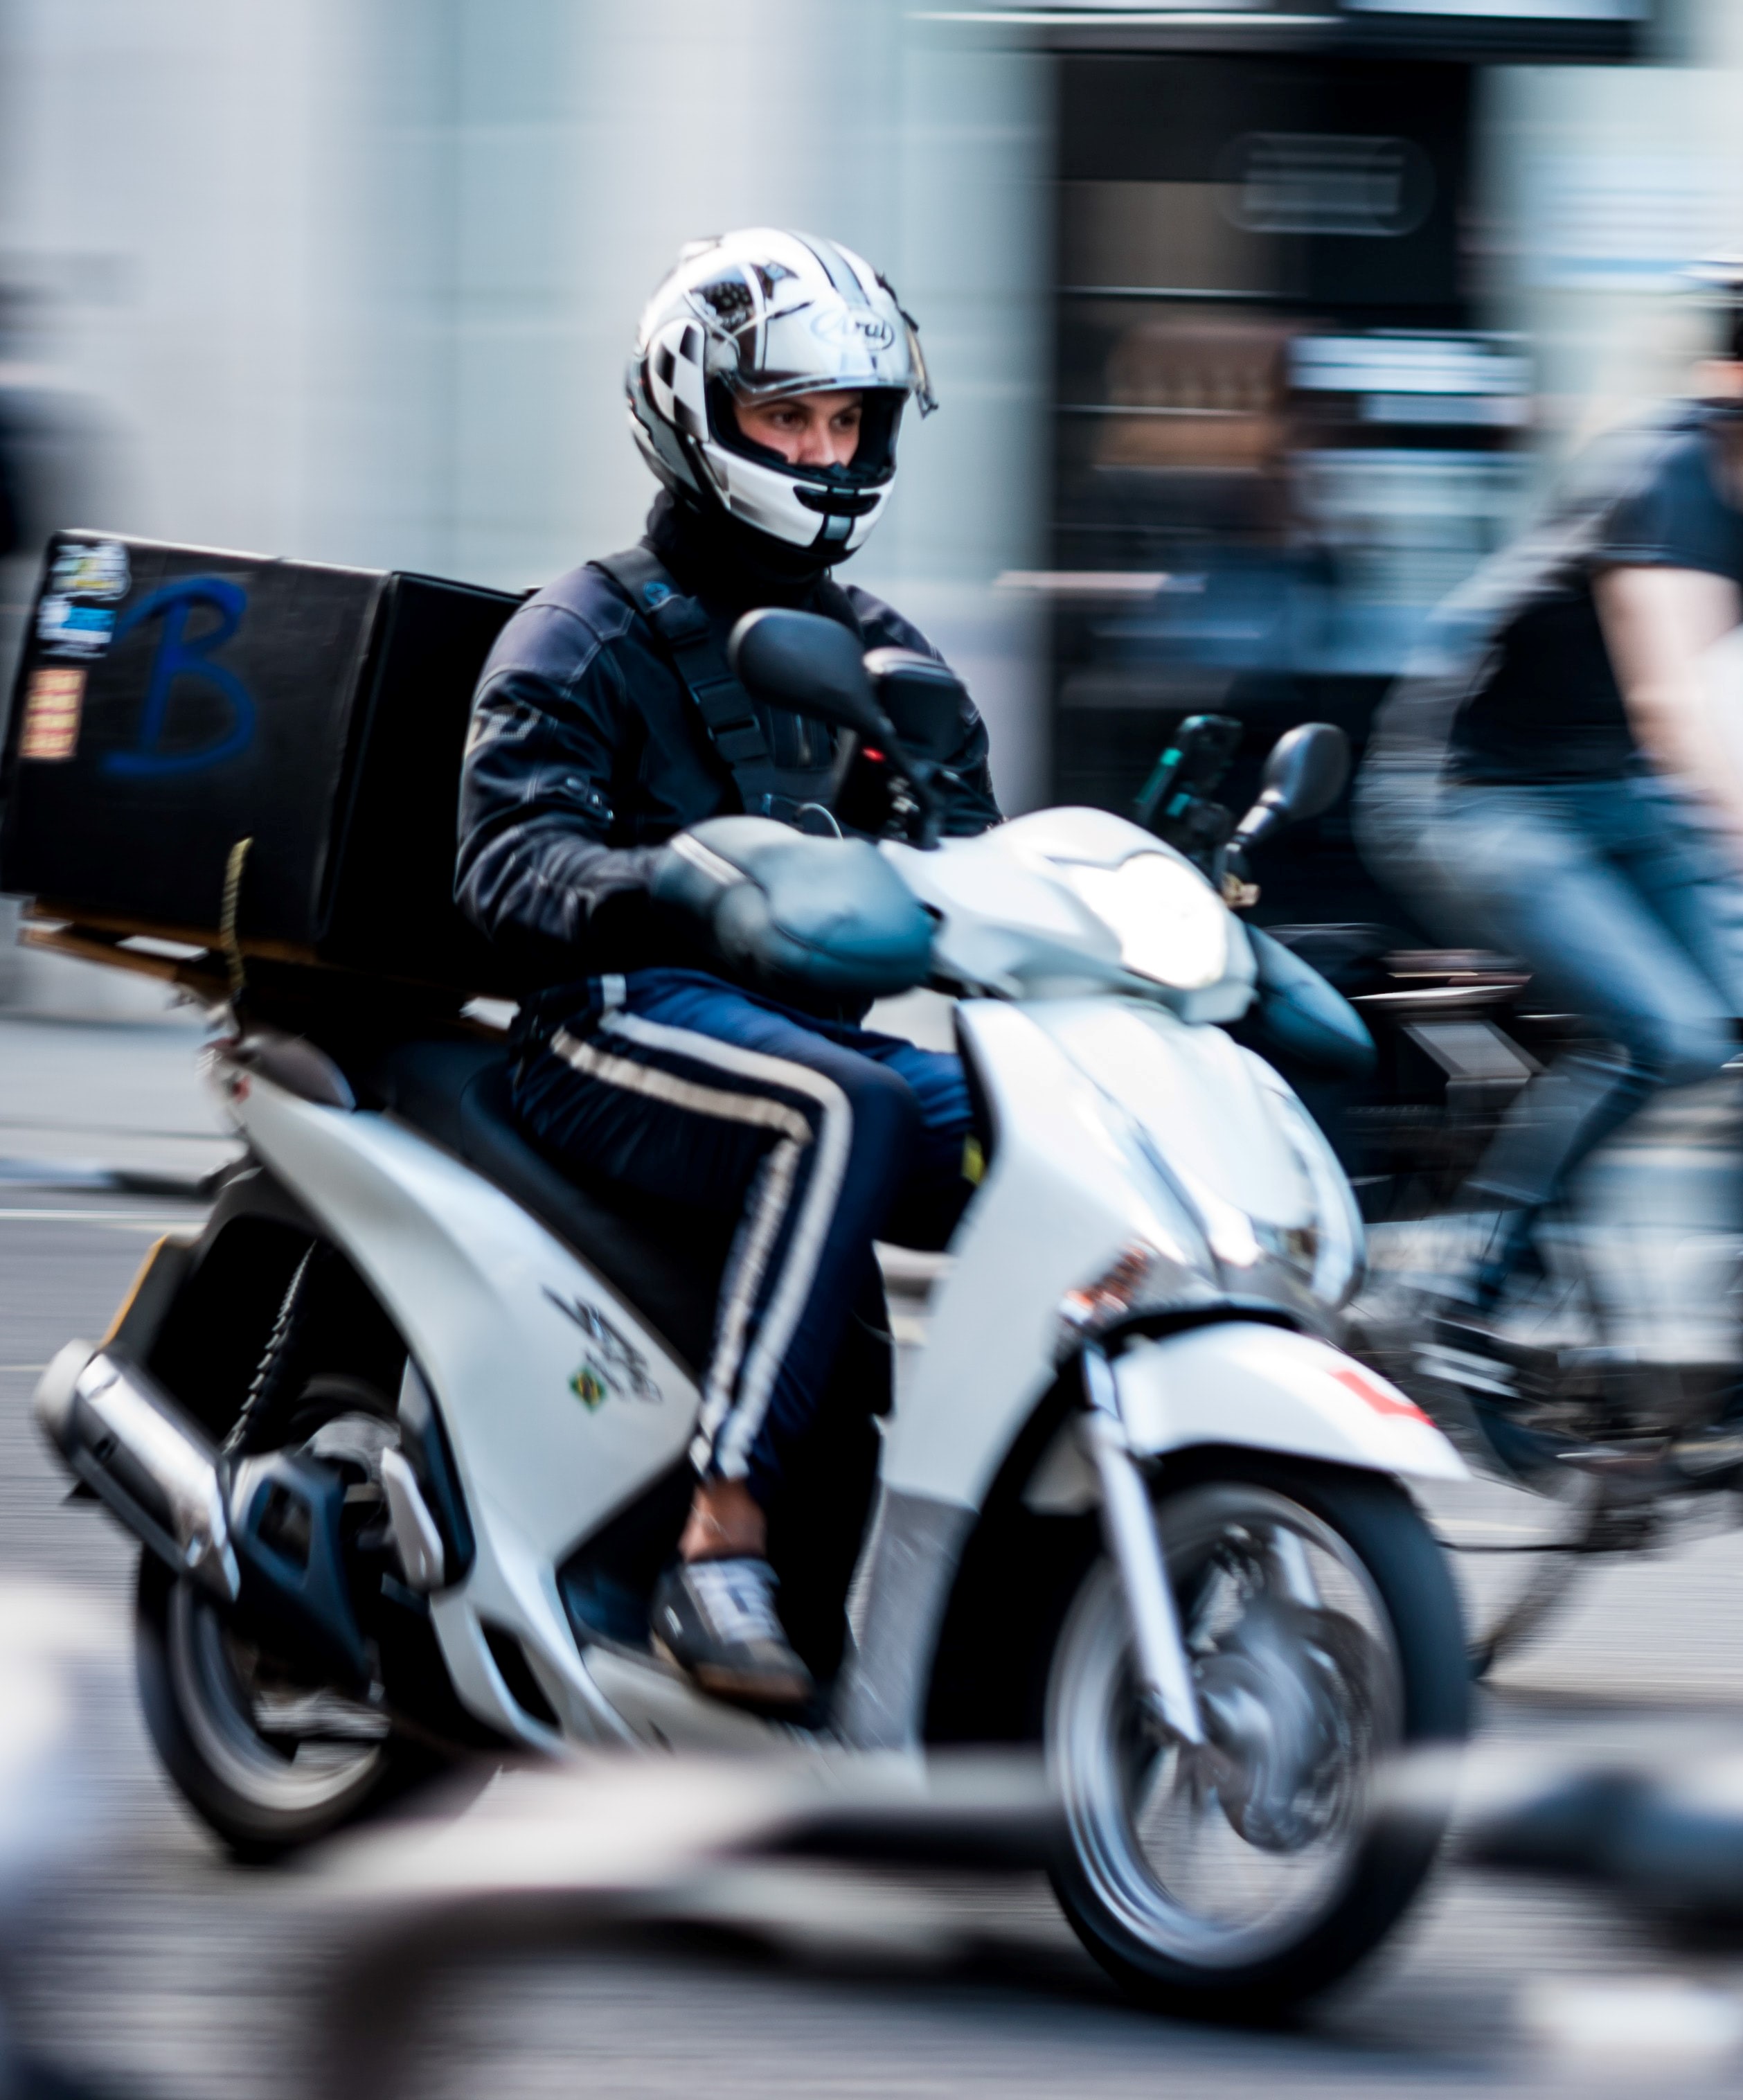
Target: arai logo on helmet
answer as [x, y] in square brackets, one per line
[854, 325]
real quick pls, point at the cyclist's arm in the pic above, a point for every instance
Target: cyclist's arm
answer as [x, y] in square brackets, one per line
[1658, 624]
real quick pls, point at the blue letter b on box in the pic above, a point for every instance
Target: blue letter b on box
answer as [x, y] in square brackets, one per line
[179, 657]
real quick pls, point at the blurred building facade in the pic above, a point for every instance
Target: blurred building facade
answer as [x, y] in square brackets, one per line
[357, 278]
[1335, 291]
[1270, 313]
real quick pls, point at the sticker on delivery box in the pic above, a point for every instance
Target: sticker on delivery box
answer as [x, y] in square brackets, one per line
[65, 629]
[86, 582]
[54, 699]
[91, 568]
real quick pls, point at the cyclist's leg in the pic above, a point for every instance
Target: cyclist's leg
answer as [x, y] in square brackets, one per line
[1541, 883]
[1689, 882]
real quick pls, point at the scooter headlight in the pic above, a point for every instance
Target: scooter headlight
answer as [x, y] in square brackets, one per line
[1336, 1244]
[1172, 926]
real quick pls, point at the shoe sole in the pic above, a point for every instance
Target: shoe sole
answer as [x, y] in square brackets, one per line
[737, 1688]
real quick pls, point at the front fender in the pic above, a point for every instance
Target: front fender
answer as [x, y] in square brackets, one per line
[937, 1563]
[1240, 1383]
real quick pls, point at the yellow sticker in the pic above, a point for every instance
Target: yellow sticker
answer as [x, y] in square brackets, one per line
[973, 1161]
[589, 1388]
[53, 700]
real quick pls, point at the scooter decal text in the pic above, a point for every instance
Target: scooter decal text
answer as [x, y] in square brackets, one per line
[611, 1362]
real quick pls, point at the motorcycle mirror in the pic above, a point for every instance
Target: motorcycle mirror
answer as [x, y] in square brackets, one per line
[1303, 777]
[812, 665]
[1305, 772]
[1192, 762]
[922, 698]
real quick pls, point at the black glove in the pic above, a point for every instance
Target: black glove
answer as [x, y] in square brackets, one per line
[791, 914]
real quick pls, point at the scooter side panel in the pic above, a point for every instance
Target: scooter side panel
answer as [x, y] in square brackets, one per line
[559, 1404]
[1058, 1204]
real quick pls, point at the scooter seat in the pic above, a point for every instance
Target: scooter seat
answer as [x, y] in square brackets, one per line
[664, 1258]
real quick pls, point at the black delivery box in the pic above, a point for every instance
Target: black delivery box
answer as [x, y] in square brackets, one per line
[173, 702]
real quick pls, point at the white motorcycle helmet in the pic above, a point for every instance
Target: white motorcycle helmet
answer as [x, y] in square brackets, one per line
[762, 316]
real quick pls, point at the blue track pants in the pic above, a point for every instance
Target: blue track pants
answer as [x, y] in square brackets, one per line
[820, 1136]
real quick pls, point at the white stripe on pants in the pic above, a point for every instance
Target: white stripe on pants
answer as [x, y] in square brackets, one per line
[736, 1402]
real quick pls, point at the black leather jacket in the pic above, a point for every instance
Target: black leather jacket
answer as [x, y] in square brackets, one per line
[585, 754]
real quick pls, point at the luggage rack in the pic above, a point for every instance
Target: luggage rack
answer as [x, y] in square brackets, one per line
[196, 969]
[205, 968]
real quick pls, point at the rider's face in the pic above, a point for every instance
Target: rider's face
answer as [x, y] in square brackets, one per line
[806, 430]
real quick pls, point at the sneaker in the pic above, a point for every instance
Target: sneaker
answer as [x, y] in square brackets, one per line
[715, 1620]
[1710, 1454]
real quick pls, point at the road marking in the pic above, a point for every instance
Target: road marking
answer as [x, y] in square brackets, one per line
[145, 1220]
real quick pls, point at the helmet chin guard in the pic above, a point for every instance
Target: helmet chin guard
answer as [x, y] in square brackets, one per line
[762, 316]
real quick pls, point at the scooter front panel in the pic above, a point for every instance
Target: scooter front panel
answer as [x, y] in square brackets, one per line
[1059, 1202]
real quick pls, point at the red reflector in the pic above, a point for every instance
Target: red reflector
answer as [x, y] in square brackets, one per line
[1377, 1396]
[876, 757]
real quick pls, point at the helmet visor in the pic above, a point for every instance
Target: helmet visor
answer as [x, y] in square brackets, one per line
[874, 460]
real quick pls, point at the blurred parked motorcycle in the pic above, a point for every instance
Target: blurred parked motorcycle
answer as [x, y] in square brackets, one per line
[1608, 1385]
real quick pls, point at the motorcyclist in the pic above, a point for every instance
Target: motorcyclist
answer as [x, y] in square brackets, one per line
[1552, 782]
[765, 393]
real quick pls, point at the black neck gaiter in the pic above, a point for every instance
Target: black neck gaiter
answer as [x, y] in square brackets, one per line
[730, 566]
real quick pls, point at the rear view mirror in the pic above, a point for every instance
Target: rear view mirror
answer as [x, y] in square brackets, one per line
[812, 665]
[1303, 777]
[1191, 767]
[922, 698]
[1305, 772]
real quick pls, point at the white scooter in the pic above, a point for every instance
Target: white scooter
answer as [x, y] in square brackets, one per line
[402, 1430]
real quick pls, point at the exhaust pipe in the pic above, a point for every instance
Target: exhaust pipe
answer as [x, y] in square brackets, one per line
[118, 1431]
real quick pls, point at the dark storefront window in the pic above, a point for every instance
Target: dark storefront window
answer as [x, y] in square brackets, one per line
[1280, 437]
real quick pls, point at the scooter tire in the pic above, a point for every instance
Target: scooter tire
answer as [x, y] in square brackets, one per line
[1408, 1573]
[236, 1793]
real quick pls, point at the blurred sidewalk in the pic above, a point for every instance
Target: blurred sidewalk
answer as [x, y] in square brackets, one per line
[82, 1101]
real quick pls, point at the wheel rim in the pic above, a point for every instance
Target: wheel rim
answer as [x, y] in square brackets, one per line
[1219, 1860]
[288, 1750]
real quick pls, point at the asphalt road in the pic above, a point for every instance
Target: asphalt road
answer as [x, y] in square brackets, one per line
[142, 1957]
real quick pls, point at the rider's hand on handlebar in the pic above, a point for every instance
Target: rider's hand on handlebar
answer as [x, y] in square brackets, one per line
[793, 913]
[1240, 892]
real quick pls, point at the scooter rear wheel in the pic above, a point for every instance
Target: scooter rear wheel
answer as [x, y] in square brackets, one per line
[268, 1767]
[269, 1763]
[1326, 1637]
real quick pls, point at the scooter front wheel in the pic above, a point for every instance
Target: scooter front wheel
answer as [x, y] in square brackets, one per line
[1324, 1637]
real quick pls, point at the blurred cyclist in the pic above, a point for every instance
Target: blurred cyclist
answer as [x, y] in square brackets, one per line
[1551, 783]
